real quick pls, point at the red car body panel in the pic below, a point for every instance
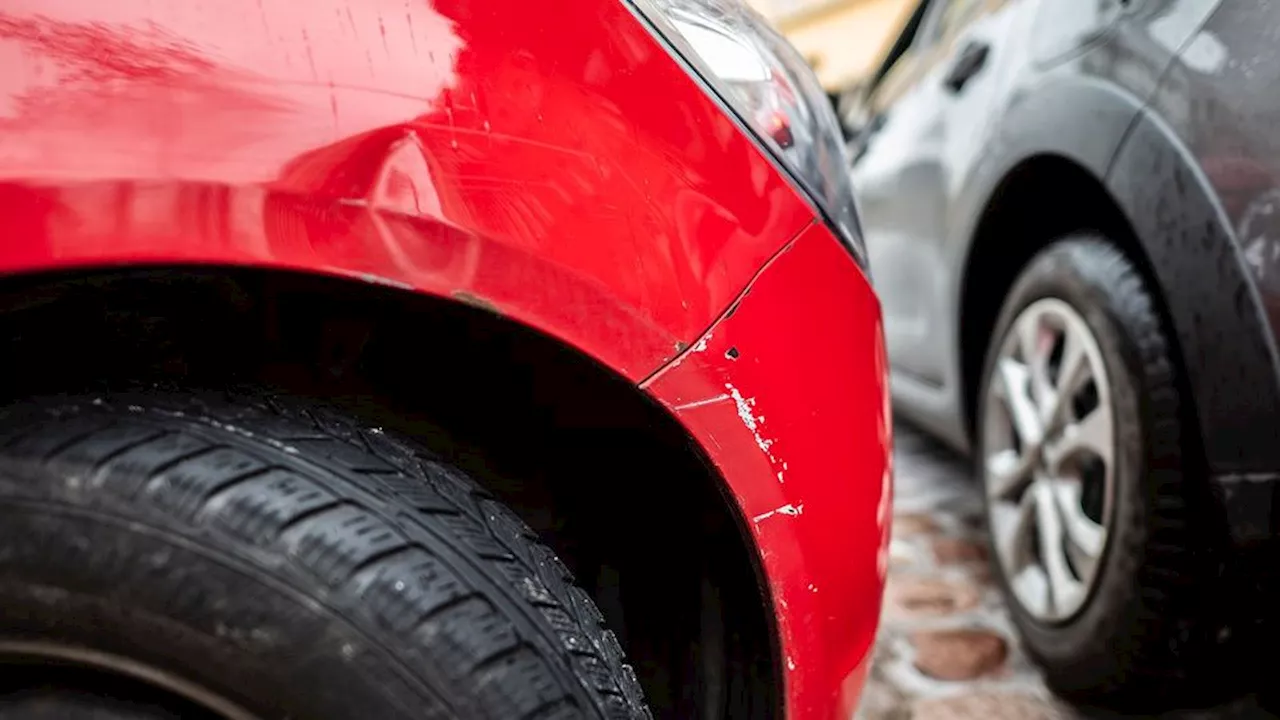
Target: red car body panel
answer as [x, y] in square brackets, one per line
[787, 394]
[554, 164]
[563, 169]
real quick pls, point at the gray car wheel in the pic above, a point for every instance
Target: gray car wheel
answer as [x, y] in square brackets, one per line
[1049, 459]
[1091, 493]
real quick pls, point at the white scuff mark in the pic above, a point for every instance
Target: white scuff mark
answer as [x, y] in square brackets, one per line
[700, 403]
[791, 664]
[790, 510]
[755, 423]
[682, 355]
[813, 588]
[744, 408]
[386, 281]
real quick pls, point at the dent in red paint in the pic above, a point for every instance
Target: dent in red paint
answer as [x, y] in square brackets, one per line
[512, 153]
[788, 395]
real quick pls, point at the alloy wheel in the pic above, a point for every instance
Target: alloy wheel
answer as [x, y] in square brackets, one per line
[1049, 459]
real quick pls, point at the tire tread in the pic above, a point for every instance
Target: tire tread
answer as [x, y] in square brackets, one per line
[422, 555]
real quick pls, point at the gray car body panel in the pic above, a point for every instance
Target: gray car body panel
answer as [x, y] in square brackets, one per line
[1117, 99]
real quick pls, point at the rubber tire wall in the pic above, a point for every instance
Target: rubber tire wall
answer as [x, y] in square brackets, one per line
[1148, 636]
[290, 561]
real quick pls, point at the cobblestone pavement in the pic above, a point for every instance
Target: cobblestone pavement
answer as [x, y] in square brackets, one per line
[946, 649]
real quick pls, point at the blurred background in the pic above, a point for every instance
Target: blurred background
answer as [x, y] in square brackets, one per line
[842, 39]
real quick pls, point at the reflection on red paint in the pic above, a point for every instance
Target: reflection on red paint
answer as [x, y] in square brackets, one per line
[538, 142]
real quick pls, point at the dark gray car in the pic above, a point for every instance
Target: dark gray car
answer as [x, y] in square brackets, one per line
[1072, 210]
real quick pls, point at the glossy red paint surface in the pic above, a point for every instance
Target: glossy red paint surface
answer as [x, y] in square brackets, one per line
[788, 395]
[562, 168]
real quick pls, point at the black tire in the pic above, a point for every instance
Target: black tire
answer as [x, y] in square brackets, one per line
[289, 562]
[1147, 636]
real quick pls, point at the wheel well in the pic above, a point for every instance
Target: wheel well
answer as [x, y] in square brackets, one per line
[1040, 200]
[610, 480]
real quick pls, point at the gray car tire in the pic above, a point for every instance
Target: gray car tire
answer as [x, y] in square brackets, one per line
[1148, 634]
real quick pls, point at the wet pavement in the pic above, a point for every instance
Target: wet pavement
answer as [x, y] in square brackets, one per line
[946, 649]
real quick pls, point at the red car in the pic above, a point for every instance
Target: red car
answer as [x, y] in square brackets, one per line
[399, 359]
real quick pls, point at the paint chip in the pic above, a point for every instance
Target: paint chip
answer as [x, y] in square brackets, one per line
[788, 509]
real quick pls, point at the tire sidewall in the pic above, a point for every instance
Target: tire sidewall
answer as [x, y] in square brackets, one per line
[151, 598]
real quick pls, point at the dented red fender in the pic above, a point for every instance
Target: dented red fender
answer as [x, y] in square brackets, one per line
[561, 170]
[788, 395]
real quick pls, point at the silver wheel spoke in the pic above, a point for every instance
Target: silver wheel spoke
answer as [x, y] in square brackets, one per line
[1014, 527]
[1036, 357]
[1085, 538]
[1073, 369]
[1022, 409]
[1031, 586]
[1064, 590]
[1040, 461]
[1008, 474]
[1091, 434]
[1074, 366]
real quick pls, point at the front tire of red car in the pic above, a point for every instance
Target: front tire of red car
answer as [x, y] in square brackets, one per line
[241, 557]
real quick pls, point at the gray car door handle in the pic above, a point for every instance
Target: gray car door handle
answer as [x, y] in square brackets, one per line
[969, 63]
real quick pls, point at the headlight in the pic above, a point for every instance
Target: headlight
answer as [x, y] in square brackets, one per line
[761, 78]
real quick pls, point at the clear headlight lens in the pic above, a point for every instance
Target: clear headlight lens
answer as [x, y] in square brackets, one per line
[769, 87]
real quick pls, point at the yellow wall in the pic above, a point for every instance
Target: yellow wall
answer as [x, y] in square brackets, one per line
[843, 39]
